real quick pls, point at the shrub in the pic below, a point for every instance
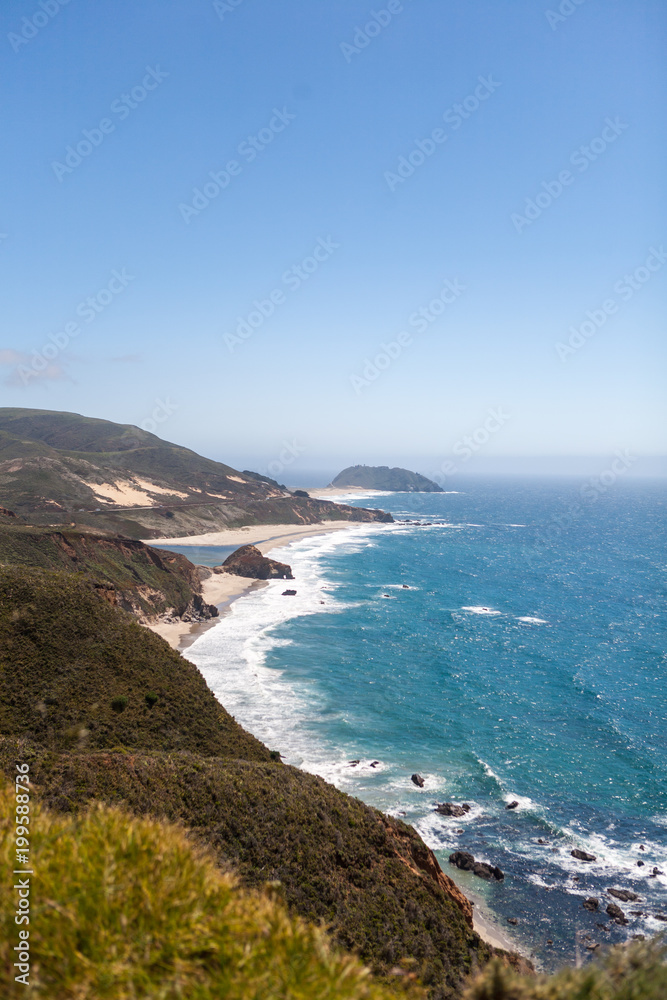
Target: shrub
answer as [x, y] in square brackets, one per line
[119, 704]
[627, 972]
[128, 908]
[151, 699]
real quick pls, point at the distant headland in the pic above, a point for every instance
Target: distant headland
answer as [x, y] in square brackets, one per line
[381, 477]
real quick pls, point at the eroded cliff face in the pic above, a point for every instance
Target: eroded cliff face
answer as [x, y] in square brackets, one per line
[147, 582]
[421, 860]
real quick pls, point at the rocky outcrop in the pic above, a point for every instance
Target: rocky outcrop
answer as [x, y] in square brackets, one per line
[582, 855]
[248, 561]
[450, 809]
[624, 895]
[591, 904]
[466, 862]
[616, 914]
[417, 780]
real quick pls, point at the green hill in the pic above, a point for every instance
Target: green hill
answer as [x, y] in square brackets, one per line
[103, 710]
[77, 672]
[145, 581]
[381, 477]
[59, 468]
[128, 909]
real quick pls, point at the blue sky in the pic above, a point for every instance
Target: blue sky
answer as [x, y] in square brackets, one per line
[539, 199]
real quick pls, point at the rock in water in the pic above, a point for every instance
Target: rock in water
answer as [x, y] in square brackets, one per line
[467, 863]
[449, 809]
[582, 856]
[616, 914]
[462, 860]
[249, 561]
[417, 780]
[591, 904]
[512, 805]
[624, 895]
[289, 593]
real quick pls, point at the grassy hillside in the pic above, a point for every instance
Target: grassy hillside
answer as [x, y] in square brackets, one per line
[103, 710]
[75, 671]
[369, 877]
[127, 909]
[131, 909]
[63, 467]
[140, 579]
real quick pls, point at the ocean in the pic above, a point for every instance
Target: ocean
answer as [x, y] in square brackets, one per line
[508, 647]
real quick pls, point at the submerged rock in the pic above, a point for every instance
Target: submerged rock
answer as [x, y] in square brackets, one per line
[417, 780]
[582, 855]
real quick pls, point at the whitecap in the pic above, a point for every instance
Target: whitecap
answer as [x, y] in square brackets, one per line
[533, 621]
[481, 610]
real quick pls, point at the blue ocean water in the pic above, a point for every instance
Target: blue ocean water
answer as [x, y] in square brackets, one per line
[509, 646]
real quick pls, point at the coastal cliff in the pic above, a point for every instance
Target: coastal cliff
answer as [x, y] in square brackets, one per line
[147, 582]
[104, 711]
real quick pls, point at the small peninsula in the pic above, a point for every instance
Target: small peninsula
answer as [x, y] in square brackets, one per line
[381, 477]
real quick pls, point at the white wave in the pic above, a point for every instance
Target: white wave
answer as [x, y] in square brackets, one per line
[233, 654]
[481, 610]
[525, 803]
[344, 497]
[533, 621]
[437, 835]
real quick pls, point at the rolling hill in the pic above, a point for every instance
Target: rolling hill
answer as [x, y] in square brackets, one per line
[60, 468]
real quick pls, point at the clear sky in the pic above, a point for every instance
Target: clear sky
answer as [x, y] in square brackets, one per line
[263, 199]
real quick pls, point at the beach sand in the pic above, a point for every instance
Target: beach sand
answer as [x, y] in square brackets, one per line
[264, 536]
[223, 588]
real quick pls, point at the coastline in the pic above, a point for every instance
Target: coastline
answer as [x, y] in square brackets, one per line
[222, 589]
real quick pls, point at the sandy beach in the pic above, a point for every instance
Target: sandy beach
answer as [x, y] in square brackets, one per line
[264, 536]
[222, 589]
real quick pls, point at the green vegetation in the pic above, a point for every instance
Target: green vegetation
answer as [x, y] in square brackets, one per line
[363, 874]
[125, 909]
[381, 477]
[67, 654]
[127, 906]
[51, 465]
[141, 579]
[636, 972]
